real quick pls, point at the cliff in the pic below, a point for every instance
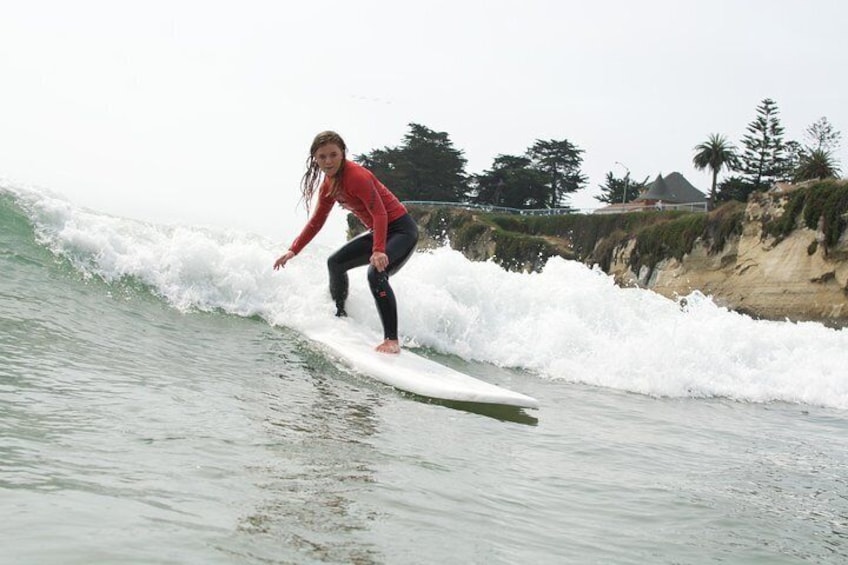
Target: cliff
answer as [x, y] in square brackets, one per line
[783, 255]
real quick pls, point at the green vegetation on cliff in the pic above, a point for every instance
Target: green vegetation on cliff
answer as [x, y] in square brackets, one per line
[823, 204]
[676, 237]
[524, 243]
[480, 237]
[582, 231]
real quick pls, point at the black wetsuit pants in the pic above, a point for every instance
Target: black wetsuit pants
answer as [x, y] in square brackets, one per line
[401, 239]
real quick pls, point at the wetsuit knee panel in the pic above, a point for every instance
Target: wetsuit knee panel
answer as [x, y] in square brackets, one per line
[333, 263]
[379, 282]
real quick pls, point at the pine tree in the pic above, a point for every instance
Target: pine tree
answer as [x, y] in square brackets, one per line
[763, 160]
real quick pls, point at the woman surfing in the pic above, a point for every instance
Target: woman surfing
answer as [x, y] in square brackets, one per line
[389, 242]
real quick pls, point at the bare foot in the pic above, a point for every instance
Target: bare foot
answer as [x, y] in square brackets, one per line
[389, 346]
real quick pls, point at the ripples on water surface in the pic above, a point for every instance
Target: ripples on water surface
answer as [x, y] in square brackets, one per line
[217, 439]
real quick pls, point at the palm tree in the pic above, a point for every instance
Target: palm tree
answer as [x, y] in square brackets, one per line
[816, 164]
[714, 154]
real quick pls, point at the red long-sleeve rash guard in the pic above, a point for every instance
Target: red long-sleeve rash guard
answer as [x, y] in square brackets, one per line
[362, 194]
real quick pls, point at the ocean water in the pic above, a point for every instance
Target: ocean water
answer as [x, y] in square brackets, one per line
[159, 404]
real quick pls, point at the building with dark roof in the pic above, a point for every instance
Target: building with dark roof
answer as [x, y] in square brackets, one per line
[672, 192]
[672, 189]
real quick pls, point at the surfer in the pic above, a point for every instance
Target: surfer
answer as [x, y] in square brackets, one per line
[389, 242]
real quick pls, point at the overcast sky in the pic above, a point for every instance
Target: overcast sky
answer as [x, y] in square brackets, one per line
[202, 111]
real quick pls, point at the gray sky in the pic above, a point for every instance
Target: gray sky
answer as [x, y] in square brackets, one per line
[203, 111]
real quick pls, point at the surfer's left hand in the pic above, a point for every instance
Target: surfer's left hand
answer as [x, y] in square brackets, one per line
[380, 261]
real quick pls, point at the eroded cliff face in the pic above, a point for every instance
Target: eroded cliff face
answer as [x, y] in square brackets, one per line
[744, 264]
[793, 277]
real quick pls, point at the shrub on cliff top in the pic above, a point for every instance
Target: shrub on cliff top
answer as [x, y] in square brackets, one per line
[828, 201]
[603, 252]
[584, 231]
[466, 234]
[783, 225]
[724, 222]
[439, 221]
[519, 240]
[671, 239]
[825, 201]
[677, 237]
[515, 251]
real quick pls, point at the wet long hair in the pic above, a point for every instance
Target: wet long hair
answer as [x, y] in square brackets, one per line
[312, 178]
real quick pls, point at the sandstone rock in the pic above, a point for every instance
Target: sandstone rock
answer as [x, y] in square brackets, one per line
[792, 278]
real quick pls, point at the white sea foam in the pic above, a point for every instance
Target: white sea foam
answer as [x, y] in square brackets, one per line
[568, 322]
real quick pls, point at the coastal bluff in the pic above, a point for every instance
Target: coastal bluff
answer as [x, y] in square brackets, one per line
[783, 255]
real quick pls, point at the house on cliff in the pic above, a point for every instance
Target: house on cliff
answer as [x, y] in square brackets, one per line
[672, 192]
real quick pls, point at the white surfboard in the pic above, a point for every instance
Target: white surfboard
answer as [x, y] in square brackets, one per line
[412, 373]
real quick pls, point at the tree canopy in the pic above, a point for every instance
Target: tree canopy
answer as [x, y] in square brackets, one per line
[426, 166]
[763, 159]
[512, 182]
[714, 154]
[766, 158]
[817, 164]
[612, 191]
[823, 136]
[559, 162]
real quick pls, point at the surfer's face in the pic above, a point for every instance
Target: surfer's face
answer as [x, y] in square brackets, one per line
[329, 158]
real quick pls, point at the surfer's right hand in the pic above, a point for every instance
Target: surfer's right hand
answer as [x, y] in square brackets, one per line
[283, 259]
